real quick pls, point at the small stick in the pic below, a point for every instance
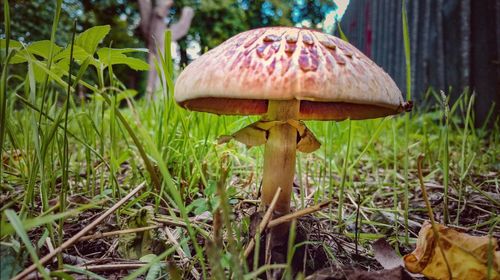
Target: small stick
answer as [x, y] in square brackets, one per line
[263, 223]
[298, 214]
[48, 242]
[80, 234]
[356, 236]
[117, 232]
[181, 253]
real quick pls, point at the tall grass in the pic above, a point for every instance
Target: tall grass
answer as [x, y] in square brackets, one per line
[406, 38]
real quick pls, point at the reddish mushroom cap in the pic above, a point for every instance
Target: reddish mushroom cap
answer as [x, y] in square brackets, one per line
[332, 78]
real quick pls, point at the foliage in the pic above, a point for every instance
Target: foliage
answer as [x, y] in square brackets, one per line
[86, 47]
[229, 17]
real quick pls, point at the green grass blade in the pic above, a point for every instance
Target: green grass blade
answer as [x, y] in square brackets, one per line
[344, 175]
[18, 227]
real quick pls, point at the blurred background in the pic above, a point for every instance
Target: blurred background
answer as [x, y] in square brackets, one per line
[455, 44]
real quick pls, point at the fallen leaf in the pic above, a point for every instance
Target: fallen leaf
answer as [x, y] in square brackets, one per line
[466, 255]
[385, 254]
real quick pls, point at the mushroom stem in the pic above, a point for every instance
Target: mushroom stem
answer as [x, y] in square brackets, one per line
[279, 155]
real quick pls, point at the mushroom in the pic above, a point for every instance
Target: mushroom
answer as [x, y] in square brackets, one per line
[286, 75]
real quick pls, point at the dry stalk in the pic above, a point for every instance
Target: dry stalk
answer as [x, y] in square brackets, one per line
[298, 214]
[118, 232]
[181, 253]
[431, 214]
[263, 224]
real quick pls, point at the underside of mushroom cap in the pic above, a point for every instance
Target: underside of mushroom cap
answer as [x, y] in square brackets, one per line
[332, 79]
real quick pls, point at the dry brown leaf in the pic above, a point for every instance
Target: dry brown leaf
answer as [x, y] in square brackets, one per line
[385, 254]
[12, 156]
[466, 255]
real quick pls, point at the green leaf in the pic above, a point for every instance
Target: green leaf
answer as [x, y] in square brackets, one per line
[133, 63]
[79, 54]
[42, 48]
[12, 44]
[110, 56]
[18, 57]
[155, 270]
[104, 51]
[90, 38]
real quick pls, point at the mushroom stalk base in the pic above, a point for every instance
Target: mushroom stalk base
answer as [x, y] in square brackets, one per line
[279, 155]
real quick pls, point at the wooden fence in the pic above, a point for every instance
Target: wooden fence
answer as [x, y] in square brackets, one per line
[454, 44]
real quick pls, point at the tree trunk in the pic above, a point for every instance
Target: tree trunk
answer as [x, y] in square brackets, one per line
[153, 26]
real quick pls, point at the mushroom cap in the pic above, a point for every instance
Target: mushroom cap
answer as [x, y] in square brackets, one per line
[332, 79]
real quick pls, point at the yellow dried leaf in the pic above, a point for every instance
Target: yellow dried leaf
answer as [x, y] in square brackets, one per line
[251, 136]
[466, 255]
[256, 134]
[308, 142]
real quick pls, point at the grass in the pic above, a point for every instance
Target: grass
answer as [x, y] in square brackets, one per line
[65, 159]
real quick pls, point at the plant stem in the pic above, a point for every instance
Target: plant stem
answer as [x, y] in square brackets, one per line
[279, 155]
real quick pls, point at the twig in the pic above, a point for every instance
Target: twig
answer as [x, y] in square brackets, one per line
[356, 231]
[298, 214]
[118, 232]
[67, 258]
[181, 253]
[175, 223]
[263, 223]
[80, 234]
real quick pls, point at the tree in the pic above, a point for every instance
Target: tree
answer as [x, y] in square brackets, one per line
[227, 18]
[152, 26]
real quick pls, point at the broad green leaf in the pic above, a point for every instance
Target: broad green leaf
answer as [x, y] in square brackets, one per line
[19, 57]
[116, 56]
[42, 48]
[104, 51]
[12, 44]
[134, 63]
[79, 54]
[90, 38]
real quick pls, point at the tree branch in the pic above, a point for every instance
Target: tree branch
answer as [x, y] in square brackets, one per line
[162, 8]
[145, 11]
[181, 28]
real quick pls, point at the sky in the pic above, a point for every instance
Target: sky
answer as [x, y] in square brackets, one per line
[332, 17]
